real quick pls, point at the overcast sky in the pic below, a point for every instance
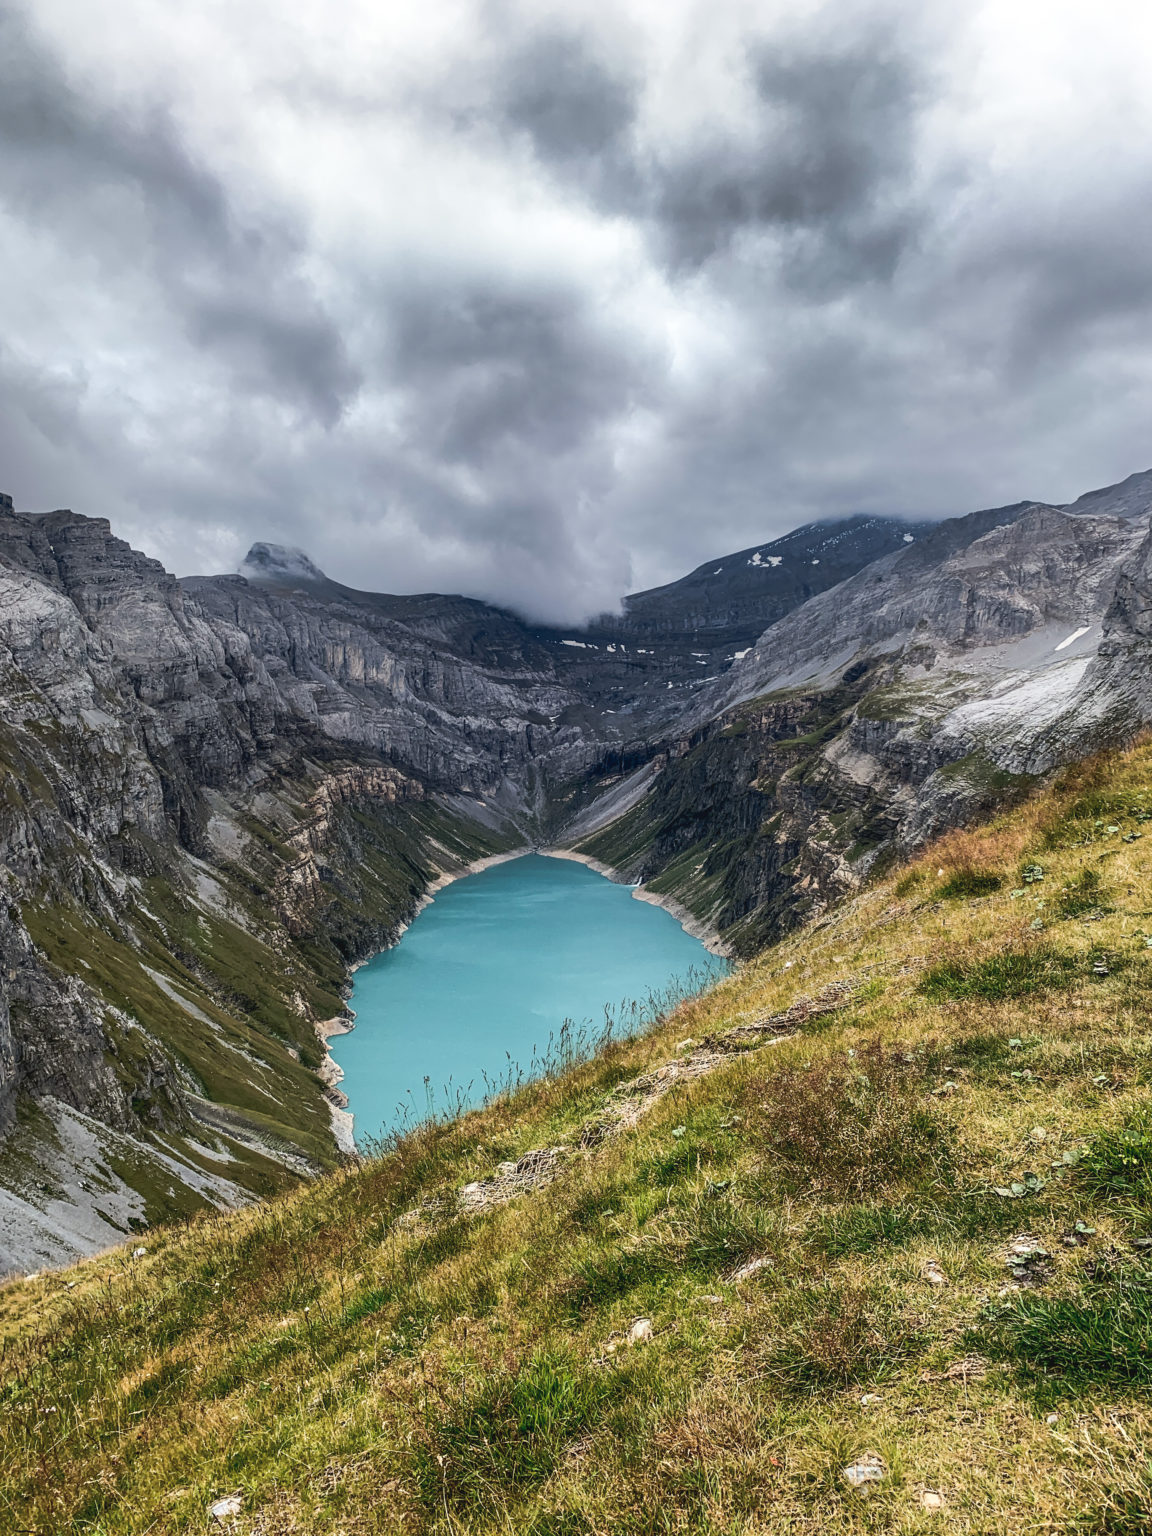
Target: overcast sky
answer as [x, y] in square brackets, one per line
[547, 301]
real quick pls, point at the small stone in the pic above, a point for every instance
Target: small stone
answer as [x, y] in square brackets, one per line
[1052, 1420]
[869, 1399]
[931, 1499]
[747, 1271]
[226, 1509]
[138, 1253]
[867, 1469]
[933, 1273]
[713, 1301]
[640, 1331]
[506, 1170]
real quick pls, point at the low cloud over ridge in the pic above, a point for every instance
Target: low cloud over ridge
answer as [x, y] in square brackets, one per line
[542, 304]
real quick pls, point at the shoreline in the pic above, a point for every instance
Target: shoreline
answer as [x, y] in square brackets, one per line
[694, 926]
[330, 1073]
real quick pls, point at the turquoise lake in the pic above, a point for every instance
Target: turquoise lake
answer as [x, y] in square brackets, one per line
[488, 973]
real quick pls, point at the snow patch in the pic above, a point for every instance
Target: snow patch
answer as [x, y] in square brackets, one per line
[740, 655]
[909, 538]
[1075, 635]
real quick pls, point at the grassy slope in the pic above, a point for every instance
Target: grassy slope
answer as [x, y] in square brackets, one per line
[345, 1371]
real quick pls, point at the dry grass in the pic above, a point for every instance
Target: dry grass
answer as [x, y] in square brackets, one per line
[346, 1372]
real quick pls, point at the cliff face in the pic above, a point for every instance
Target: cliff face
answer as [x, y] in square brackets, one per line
[194, 844]
[216, 794]
[926, 688]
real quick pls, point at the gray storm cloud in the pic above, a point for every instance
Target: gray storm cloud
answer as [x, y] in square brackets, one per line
[542, 304]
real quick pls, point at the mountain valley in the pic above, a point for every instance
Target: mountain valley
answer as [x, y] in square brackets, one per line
[222, 792]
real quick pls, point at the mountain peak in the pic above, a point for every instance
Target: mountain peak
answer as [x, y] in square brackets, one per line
[279, 563]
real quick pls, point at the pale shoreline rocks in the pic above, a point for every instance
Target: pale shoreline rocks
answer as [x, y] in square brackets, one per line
[693, 926]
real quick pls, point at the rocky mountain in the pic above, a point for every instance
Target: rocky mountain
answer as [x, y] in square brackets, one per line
[218, 793]
[931, 684]
[726, 604]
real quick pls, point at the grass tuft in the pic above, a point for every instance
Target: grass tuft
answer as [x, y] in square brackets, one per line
[1005, 975]
[855, 1125]
[970, 881]
[1102, 1337]
[1118, 1161]
[507, 1429]
[836, 1335]
[1083, 896]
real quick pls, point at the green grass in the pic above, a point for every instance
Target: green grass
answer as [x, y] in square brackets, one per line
[1005, 976]
[1102, 1337]
[969, 883]
[860, 1229]
[1086, 894]
[1118, 1161]
[356, 1356]
[507, 1428]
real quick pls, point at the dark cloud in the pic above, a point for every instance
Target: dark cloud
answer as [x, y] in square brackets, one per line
[824, 161]
[488, 368]
[571, 104]
[535, 302]
[123, 187]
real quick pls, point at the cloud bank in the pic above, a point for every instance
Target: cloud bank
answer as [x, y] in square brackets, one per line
[543, 302]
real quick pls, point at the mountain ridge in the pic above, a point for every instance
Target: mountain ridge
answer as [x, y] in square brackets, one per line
[217, 777]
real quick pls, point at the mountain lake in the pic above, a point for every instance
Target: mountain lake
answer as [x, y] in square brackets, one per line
[480, 986]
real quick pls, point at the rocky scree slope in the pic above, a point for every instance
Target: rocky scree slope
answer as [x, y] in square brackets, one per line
[220, 792]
